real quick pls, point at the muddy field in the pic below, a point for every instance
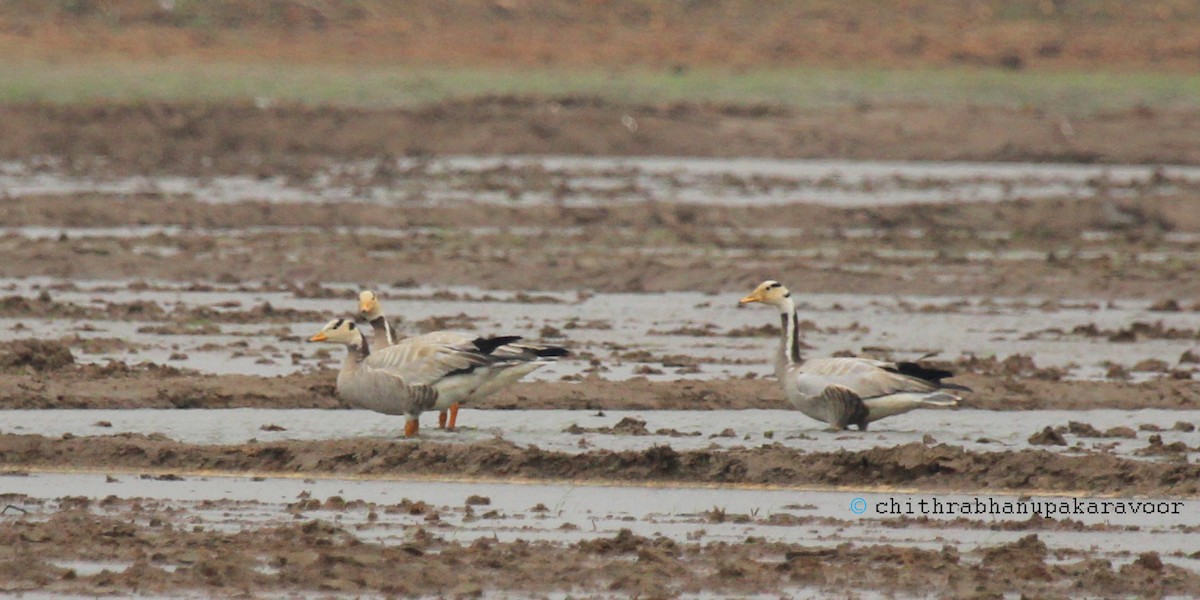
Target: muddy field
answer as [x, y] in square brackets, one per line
[196, 444]
[166, 431]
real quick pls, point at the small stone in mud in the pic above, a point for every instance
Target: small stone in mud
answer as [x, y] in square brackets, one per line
[476, 500]
[1183, 426]
[1149, 427]
[539, 508]
[177, 356]
[1047, 437]
[928, 440]
[102, 424]
[728, 432]
[272, 427]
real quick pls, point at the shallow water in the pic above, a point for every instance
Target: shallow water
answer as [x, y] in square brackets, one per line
[590, 181]
[570, 512]
[611, 326]
[975, 430]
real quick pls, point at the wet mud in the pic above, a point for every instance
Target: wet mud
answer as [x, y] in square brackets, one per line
[155, 552]
[239, 137]
[940, 467]
[28, 381]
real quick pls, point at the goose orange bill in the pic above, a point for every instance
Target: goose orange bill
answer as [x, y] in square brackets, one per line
[753, 297]
[319, 337]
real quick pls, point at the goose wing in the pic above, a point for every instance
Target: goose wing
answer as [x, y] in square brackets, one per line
[864, 377]
[425, 364]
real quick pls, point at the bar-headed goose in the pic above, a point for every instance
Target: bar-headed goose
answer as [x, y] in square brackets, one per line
[528, 356]
[848, 391]
[391, 382]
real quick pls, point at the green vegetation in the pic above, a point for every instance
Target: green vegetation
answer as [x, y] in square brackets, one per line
[1069, 92]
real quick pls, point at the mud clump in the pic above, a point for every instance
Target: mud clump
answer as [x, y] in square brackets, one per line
[39, 355]
[941, 467]
[1089, 431]
[1048, 437]
[626, 426]
[1158, 448]
[165, 555]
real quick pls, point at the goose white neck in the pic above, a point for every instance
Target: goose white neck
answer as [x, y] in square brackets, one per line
[791, 331]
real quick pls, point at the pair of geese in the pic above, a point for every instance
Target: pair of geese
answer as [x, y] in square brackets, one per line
[443, 369]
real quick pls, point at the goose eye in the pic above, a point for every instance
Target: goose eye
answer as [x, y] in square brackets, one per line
[352, 326]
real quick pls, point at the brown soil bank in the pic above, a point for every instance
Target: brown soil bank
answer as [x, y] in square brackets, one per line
[940, 467]
[117, 385]
[294, 140]
[734, 33]
[314, 556]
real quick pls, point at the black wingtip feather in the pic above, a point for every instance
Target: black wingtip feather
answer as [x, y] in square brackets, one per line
[489, 345]
[551, 351]
[912, 369]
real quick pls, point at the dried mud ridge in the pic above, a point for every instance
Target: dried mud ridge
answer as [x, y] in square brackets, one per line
[165, 555]
[940, 467]
[716, 34]
[239, 137]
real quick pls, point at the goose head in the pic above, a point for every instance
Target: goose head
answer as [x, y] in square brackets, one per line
[368, 306]
[339, 331]
[768, 292]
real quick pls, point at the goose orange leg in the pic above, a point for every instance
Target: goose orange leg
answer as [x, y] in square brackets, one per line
[411, 427]
[453, 415]
[442, 420]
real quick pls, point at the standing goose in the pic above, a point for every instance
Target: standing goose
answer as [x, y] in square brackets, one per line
[528, 356]
[391, 383]
[848, 391]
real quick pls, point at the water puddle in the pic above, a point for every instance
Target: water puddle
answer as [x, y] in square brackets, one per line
[632, 335]
[567, 513]
[595, 181]
[566, 430]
